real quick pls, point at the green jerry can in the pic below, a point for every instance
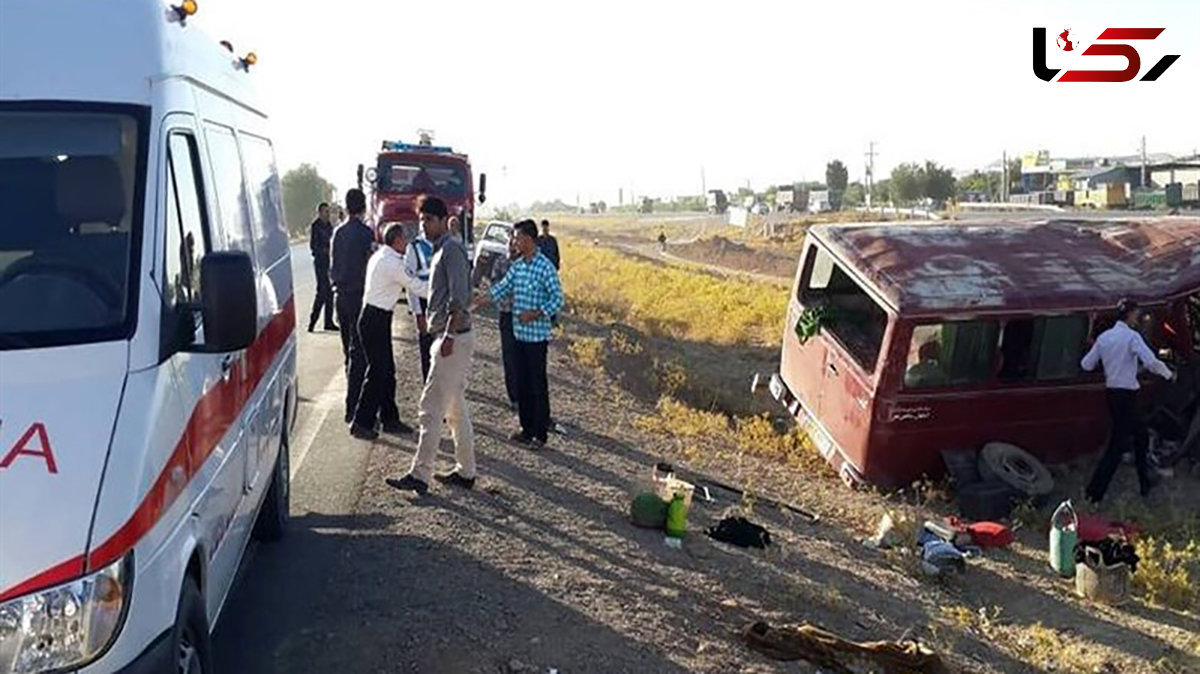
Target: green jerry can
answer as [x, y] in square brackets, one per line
[1064, 534]
[677, 517]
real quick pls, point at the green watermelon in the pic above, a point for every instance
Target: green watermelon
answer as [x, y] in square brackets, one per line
[648, 511]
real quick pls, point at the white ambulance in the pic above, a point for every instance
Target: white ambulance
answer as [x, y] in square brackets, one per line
[147, 335]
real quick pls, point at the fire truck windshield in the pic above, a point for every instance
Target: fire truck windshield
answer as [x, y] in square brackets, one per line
[412, 177]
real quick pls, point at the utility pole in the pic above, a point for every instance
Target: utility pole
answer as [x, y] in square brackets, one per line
[870, 172]
[1004, 177]
[703, 183]
[1145, 181]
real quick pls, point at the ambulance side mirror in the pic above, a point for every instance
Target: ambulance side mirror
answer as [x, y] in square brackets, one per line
[482, 187]
[229, 301]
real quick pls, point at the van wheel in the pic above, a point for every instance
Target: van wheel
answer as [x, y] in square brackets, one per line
[192, 646]
[273, 516]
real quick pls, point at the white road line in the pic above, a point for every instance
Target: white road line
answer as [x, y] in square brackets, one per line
[310, 423]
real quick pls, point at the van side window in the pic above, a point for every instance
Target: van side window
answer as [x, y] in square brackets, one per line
[850, 314]
[231, 194]
[1043, 348]
[951, 354]
[263, 189]
[187, 231]
[1193, 311]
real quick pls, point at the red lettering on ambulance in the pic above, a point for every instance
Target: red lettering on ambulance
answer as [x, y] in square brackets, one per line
[21, 448]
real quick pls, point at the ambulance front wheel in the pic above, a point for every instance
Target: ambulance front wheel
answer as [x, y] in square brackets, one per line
[190, 638]
[273, 516]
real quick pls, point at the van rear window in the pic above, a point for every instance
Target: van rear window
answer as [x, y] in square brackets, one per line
[849, 314]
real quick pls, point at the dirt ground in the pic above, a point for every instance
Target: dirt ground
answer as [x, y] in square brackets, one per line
[539, 569]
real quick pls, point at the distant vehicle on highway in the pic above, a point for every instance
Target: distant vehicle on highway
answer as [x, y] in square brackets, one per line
[492, 245]
[906, 340]
[717, 202]
[403, 172]
[147, 335]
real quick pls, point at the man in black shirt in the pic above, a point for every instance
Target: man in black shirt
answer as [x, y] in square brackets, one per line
[351, 248]
[549, 245]
[318, 241]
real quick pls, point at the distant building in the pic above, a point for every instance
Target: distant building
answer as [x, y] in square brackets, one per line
[1185, 171]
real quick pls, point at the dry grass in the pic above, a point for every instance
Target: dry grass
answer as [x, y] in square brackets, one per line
[1169, 575]
[607, 287]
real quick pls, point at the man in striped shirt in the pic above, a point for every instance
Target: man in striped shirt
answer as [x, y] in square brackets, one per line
[533, 287]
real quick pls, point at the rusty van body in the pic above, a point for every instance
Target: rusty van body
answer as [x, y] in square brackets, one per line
[903, 340]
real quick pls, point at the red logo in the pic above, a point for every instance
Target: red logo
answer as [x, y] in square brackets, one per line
[1066, 41]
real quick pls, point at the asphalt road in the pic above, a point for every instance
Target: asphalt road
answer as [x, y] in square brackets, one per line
[272, 598]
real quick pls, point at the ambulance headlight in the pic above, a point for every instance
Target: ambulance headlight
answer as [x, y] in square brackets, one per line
[67, 626]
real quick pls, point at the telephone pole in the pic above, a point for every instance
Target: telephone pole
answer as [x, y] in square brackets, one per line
[870, 172]
[703, 183]
[1145, 181]
[1004, 177]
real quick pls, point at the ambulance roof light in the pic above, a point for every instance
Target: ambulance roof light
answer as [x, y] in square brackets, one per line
[183, 10]
[248, 60]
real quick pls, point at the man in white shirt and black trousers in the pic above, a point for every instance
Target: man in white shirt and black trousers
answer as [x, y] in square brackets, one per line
[1122, 352]
[418, 259]
[386, 279]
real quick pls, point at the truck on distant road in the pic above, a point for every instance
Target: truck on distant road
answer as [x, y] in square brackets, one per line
[718, 203]
[403, 172]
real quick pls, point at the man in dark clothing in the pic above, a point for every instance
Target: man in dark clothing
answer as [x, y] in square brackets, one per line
[350, 251]
[318, 242]
[548, 245]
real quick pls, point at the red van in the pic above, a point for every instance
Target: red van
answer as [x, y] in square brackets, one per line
[905, 340]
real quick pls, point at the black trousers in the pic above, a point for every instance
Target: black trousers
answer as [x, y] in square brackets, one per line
[533, 389]
[377, 397]
[508, 353]
[349, 306]
[424, 341]
[324, 297]
[1127, 426]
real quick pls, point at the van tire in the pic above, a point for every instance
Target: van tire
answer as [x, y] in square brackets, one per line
[273, 516]
[191, 645]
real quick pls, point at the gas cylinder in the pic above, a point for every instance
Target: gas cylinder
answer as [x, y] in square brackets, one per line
[1064, 533]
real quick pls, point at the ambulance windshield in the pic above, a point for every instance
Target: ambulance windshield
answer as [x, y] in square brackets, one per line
[68, 178]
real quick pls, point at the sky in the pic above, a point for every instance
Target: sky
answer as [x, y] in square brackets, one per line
[580, 100]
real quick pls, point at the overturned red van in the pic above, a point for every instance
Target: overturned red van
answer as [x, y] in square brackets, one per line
[904, 340]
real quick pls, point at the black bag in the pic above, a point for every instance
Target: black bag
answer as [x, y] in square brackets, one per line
[741, 532]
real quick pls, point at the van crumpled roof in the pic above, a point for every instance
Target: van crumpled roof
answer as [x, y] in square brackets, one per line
[1015, 266]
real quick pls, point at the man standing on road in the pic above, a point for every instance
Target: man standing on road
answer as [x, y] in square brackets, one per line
[319, 236]
[385, 281]
[548, 245]
[508, 340]
[445, 393]
[350, 251]
[1122, 352]
[532, 284]
[417, 260]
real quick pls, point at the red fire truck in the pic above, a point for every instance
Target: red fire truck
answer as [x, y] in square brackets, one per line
[403, 172]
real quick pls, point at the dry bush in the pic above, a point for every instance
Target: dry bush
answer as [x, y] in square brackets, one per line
[587, 351]
[1168, 575]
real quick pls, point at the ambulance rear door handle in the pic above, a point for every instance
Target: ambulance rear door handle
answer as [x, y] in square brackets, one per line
[833, 368]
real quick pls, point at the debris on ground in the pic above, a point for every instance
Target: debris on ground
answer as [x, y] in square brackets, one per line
[741, 532]
[1015, 467]
[842, 656]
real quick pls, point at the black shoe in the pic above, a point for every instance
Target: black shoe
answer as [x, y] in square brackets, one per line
[408, 483]
[363, 433]
[521, 438]
[455, 479]
[312, 326]
[537, 443]
[330, 327]
[397, 428]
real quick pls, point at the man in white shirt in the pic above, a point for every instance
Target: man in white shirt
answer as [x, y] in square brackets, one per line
[418, 257]
[1122, 352]
[386, 279]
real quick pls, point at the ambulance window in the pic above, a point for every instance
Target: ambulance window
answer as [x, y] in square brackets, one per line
[263, 189]
[1193, 308]
[187, 237]
[230, 191]
[1042, 348]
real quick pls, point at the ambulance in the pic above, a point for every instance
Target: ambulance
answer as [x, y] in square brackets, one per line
[147, 335]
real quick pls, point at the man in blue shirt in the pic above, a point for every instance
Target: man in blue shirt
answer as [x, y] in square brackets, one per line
[533, 287]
